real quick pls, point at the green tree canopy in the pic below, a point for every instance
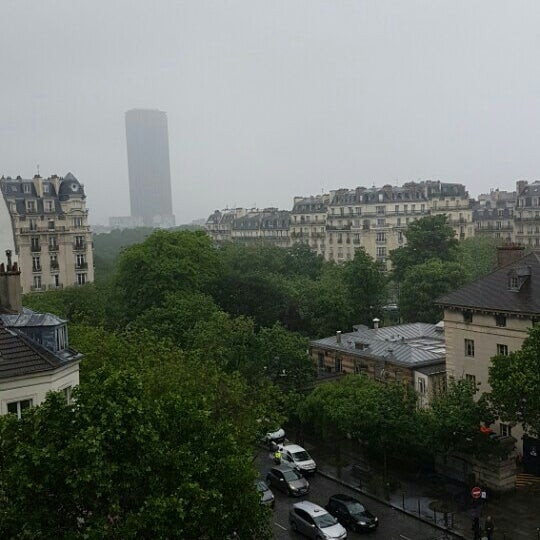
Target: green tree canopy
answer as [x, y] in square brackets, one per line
[423, 284]
[120, 463]
[366, 286]
[165, 263]
[427, 238]
[452, 421]
[515, 384]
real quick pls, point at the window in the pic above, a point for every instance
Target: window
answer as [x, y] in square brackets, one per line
[471, 379]
[46, 187]
[50, 225]
[32, 224]
[506, 430]
[17, 407]
[26, 188]
[502, 350]
[67, 394]
[381, 237]
[56, 280]
[467, 316]
[49, 206]
[53, 243]
[36, 264]
[80, 262]
[381, 222]
[421, 386]
[337, 365]
[34, 243]
[81, 279]
[37, 283]
[500, 320]
[320, 357]
[381, 210]
[469, 347]
[381, 252]
[54, 262]
[30, 206]
[514, 282]
[79, 242]
[77, 222]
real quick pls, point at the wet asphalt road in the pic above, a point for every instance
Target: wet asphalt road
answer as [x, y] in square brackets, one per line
[393, 525]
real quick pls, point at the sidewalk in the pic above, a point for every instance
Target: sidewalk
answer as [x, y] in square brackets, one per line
[428, 497]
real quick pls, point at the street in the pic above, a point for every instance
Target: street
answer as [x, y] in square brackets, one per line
[393, 525]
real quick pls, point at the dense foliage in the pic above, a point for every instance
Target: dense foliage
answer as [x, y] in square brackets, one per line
[434, 263]
[193, 352]
[515, 384]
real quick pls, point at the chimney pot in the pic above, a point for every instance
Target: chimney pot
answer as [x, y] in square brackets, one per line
[376, 323]
[338, 336]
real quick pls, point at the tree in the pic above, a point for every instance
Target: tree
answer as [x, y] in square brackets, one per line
[427, 238]
[283, 356]
[515, 384]
[423, 284]
[165, 263]
[366, 286]
[127, 460]
[178, 315]
[453, 419]
[383, 416]
[478, 255]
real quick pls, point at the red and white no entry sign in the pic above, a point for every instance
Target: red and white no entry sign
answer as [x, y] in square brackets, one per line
[476, 492]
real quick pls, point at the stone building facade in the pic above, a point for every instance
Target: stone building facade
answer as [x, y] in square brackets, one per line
[53, 241]
[491, 316]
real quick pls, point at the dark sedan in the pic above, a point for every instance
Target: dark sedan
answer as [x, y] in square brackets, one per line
[288, 480]
[351, 513]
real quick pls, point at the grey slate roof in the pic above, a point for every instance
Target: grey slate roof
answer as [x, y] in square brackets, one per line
[20, 356]
[411, 345]
[29, 318]
[491, 292]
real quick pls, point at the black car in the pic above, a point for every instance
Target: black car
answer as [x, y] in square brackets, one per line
[351, 513]
[287, 480]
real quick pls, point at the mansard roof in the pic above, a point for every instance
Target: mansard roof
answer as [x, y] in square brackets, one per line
[19, 355]
[494, 293]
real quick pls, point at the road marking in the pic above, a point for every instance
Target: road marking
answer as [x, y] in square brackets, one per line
[281, 526]
[404, 537]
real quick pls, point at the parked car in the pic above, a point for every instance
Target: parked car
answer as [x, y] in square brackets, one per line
[351, 513]
[315, 522]
[276, 437]
[298, 458]
[288, 480]
[267, 497]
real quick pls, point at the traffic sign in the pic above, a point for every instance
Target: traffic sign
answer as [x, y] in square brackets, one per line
[476, 492]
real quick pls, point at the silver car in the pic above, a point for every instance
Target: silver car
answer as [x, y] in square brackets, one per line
[315, 522]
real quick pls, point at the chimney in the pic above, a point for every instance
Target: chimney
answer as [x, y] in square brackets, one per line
[520, 186]
[508, 253]
[376, 323]
[338, 337]
[10, 286]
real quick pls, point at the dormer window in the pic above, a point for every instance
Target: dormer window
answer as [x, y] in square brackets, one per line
[517, 278]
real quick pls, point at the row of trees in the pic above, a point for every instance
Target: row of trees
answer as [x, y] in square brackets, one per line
[385, 417]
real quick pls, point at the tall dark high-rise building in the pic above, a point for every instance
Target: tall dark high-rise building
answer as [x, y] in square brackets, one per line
[149, 169]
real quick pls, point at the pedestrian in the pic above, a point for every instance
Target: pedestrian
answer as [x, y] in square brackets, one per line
[489, 527]
[477, 531]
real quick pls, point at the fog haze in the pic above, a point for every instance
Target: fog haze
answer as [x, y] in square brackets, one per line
[271, 99]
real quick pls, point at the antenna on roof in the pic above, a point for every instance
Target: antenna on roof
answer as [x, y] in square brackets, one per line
[37, 169]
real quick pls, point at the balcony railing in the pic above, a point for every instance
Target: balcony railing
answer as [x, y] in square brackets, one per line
[78, 246]
[36, 288]
[54, 265]
[34, 248]
[36, 268]
[53, 247]
[81, 266]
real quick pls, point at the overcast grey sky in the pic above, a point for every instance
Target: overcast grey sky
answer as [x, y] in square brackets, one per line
[268, 99]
